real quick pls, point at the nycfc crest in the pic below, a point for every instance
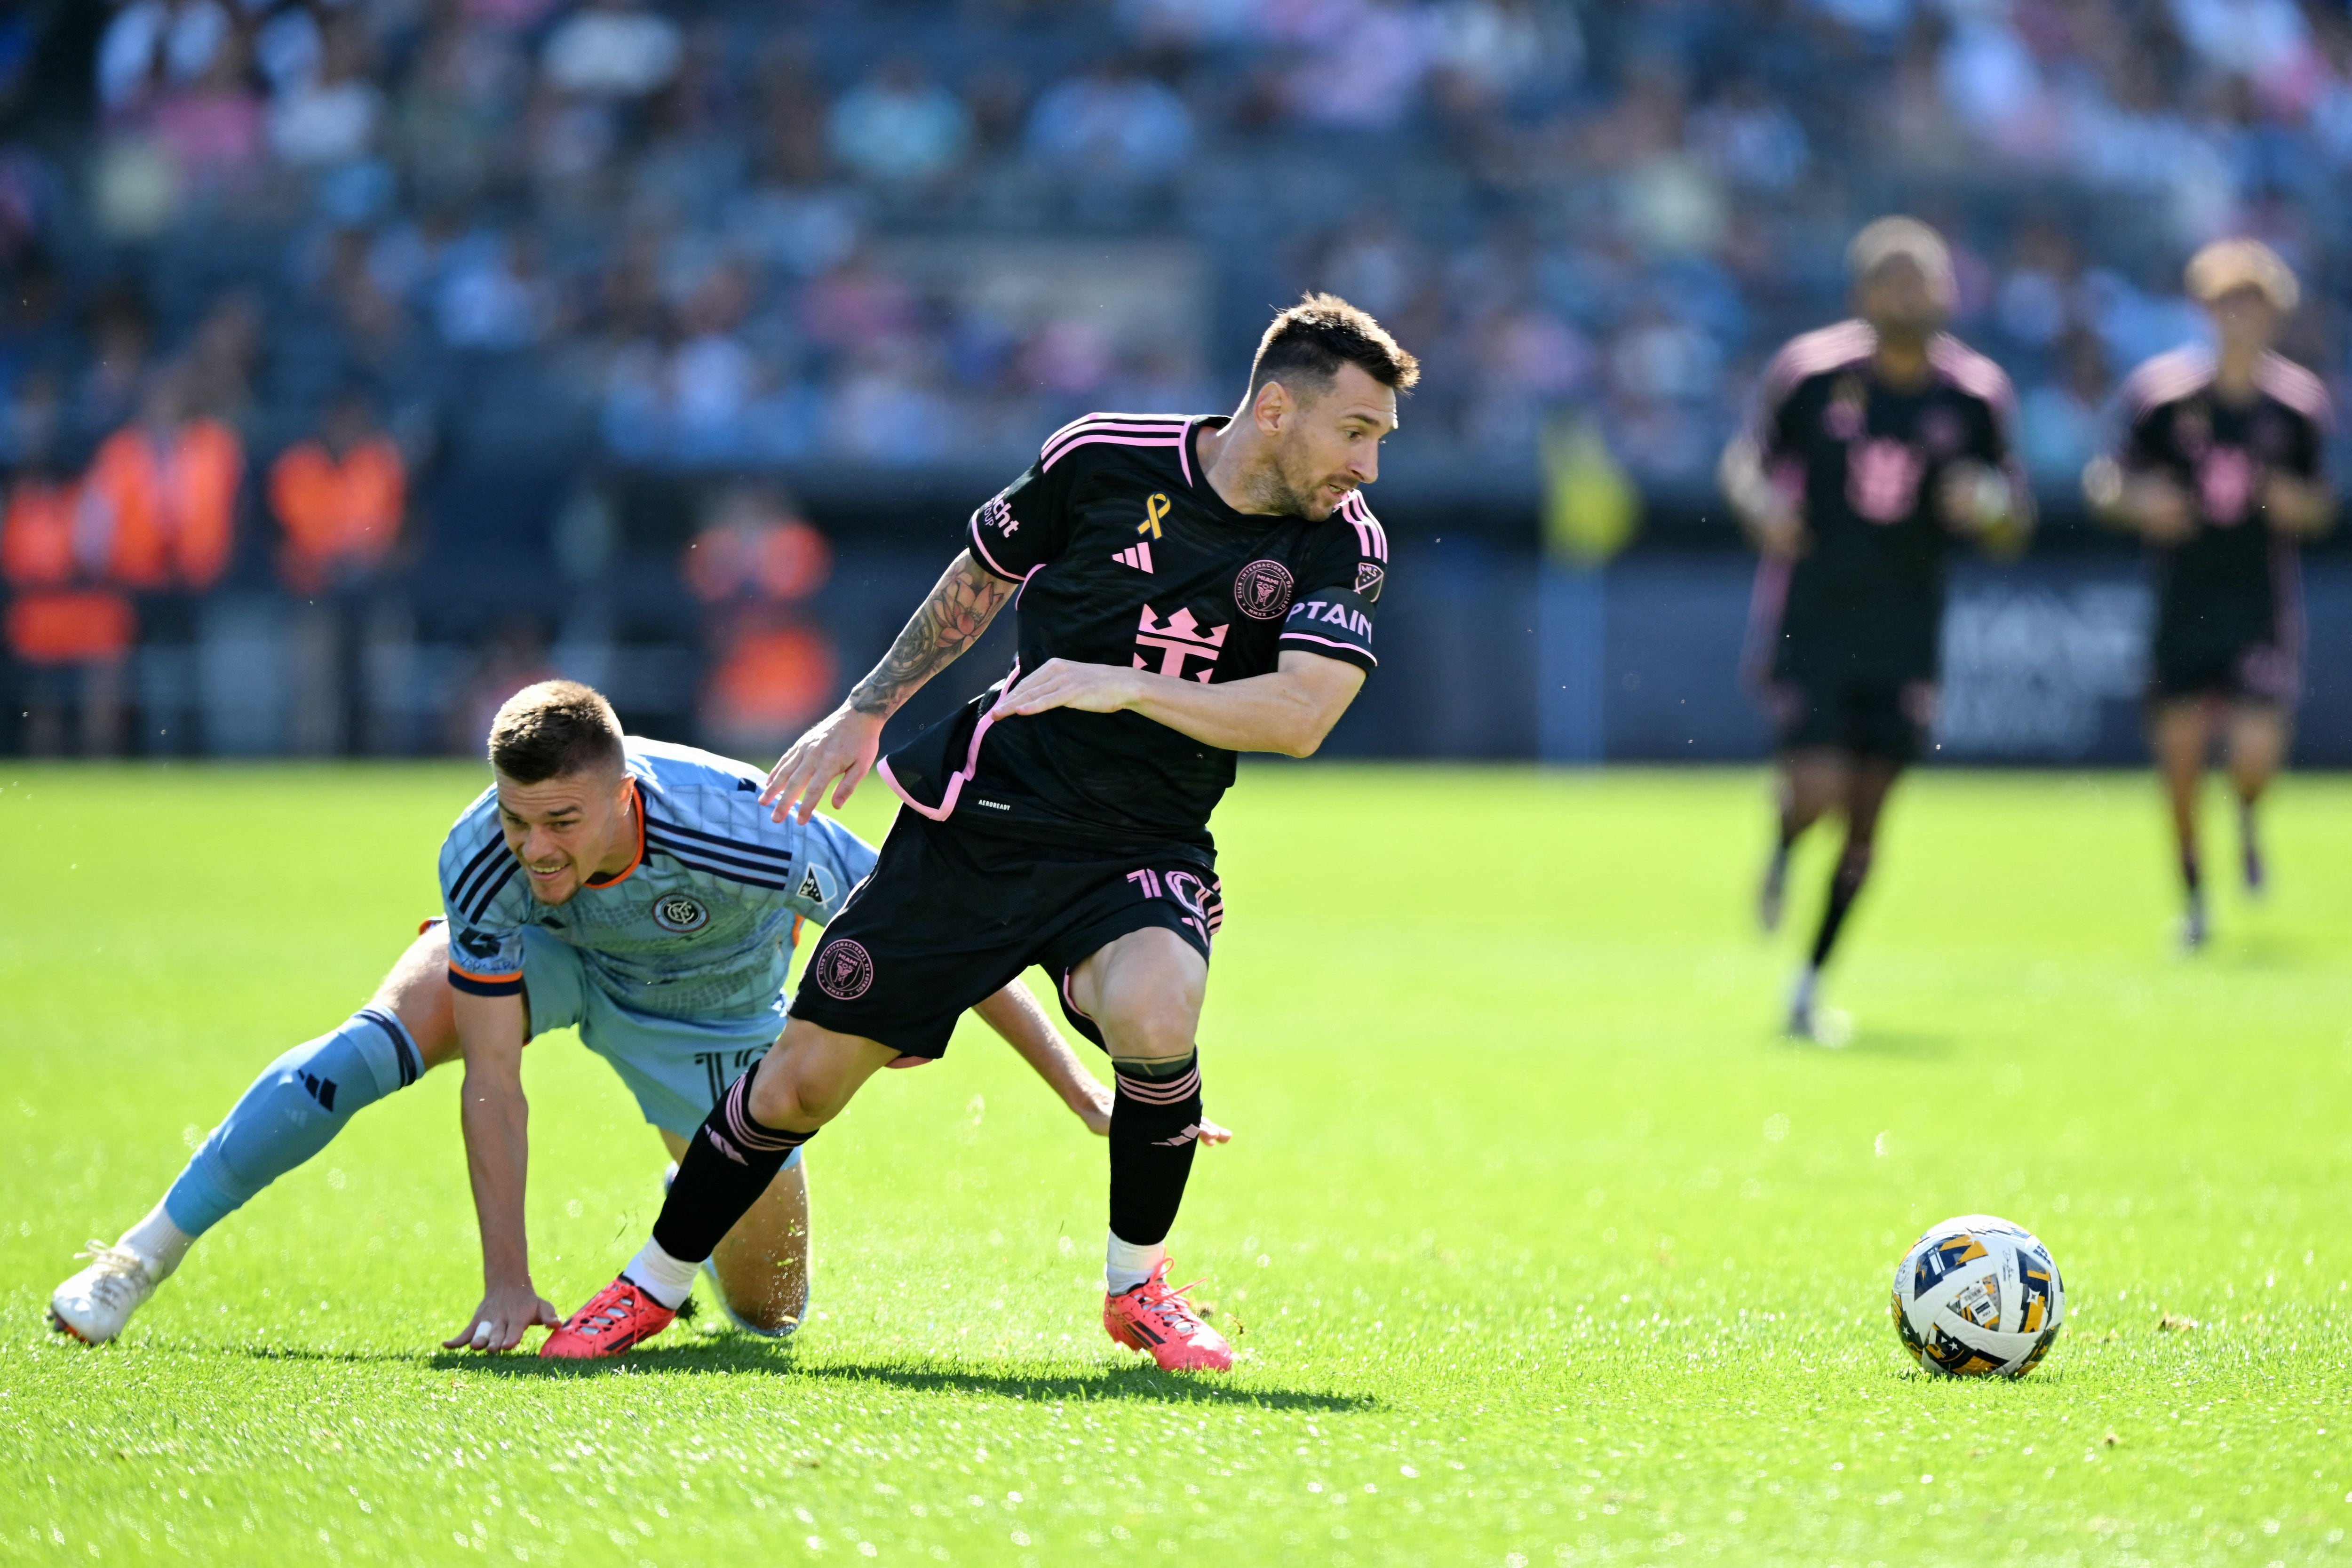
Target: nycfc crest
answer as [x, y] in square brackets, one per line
[843, 970]
[677, 912]
[1263, 590]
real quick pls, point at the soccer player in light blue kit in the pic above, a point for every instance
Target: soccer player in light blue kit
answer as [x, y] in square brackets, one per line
[630, 888]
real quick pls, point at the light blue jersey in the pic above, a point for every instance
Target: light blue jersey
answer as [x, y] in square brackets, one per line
[674, 971]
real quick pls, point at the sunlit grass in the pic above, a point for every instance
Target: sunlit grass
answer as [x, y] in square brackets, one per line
[1537, 1242]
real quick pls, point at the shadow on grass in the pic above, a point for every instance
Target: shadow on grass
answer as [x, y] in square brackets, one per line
[734, 1354]
[1901, 1045]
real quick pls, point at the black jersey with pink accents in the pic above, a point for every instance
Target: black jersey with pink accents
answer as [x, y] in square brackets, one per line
[1127, 555]
[1864, 603]
[2229, 590]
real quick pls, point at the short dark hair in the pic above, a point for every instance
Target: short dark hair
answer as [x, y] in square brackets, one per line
[553, 729]
[1322, 332]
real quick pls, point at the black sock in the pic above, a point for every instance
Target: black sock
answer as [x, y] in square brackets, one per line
[726, 1166]
[1155, 1122]
[1845, 883]
[2190, 876]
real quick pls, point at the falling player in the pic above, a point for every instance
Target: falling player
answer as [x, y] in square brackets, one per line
[1876, 443]
[2220, 469]
[629, 888]
[1188, 587]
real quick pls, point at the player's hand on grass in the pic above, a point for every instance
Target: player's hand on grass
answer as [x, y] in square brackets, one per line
[1065, 683]
[842, 746]
[499, 1322]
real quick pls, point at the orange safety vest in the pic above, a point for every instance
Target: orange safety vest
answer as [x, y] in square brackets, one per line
[336, 512]
[52, 619]
[173, 507]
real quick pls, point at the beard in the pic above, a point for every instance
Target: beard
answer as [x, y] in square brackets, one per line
[1295, 497]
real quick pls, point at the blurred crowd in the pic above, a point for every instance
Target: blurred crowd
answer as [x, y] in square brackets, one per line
[721, 234]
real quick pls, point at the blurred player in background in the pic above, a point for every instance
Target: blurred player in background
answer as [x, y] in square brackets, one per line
[628, 888]
[2220, 468]
[1876, 443]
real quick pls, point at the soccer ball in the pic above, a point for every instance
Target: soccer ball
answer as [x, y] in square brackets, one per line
[1977, 1297]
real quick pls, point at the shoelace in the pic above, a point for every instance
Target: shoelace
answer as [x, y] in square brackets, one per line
[1167, 1304]
[116, 1266]
[611, 1317]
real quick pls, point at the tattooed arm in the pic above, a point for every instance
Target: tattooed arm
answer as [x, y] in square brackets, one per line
[843, 745]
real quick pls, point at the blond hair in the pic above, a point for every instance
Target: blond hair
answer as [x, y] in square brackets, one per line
[1889, 239]
[2227, 265]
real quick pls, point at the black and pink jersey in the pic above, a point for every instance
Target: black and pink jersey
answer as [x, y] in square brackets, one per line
[1864, 461]
[1127, 555]
[2232, 584]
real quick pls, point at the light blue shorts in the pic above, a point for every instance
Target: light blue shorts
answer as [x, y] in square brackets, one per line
[675, 1066]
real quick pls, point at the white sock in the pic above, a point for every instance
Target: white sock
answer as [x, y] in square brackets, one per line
[667, 1279]
[159, 1242]
[1801, 999]
[1126, 1265]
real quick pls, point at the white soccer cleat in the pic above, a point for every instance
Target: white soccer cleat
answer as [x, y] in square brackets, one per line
[1832, 1028]
[95, 1304]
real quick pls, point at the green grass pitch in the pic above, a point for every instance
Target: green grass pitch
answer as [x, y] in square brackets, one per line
[1539, 1245]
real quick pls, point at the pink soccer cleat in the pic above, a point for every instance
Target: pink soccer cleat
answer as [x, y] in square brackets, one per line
[616, 1319]
[1153, 1318]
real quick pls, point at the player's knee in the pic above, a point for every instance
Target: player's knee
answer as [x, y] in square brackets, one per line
[794, 1100]
[1150, 1033]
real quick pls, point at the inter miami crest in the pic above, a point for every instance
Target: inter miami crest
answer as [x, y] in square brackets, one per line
[1262, 592]
[679, 913]
[843, 970]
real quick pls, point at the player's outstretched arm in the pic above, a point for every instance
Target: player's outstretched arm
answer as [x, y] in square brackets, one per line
[1288, 711]
[842, 745]
[1014, 1013]
[491, 1030]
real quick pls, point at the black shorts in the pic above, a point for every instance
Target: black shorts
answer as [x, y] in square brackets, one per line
[951, 915]
[1881, 719]
[2257, 673]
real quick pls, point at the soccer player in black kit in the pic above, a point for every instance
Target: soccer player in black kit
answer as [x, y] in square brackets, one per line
[1876, 443]
[1187, 587]
[2220, 468]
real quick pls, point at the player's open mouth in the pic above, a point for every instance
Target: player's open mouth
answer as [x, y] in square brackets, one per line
[555, 871]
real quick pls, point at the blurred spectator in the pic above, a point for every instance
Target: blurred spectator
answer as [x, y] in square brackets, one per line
[340, 497]
[163, 492]
[493, 293]
[613, 48]
[752, 564]
[68, 622]
[328, 113]
[899, 127]
[1111, 122]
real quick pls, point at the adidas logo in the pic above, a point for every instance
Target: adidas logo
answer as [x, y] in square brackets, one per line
[1136, 555]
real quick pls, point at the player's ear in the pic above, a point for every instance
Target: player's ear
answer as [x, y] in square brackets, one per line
[1271, 405]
